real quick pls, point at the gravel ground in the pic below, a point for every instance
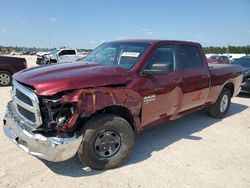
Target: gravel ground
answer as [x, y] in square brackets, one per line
[193, 151]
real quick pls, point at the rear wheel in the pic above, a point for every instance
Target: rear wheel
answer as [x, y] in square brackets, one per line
[5, 78]
[220, 108]
[107, 142]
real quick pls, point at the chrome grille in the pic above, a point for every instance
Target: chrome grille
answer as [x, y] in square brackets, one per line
[23, 97]
[26, 104]
[26, 113]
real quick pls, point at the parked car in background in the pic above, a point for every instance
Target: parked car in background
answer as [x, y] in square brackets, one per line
[9, 66]
[24, 53]
[233, 60]
[40, 54]
[33, 53]
[96, 106]
[245, 63]
[218, 59]
[59, 56]
[16, 53]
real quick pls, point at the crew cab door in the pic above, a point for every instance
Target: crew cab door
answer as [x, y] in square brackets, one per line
[161, 87]
[196, 76]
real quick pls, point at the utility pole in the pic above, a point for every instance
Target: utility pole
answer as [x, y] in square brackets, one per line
[49, 40]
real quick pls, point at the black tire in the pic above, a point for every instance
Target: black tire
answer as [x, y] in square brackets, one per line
[5, 78]
[215, 109]
[94, 129]
[53, 61]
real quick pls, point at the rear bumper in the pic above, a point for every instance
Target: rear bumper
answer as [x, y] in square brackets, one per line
[49, 148]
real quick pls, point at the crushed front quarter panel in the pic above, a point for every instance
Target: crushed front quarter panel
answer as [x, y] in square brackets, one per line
[93, 99]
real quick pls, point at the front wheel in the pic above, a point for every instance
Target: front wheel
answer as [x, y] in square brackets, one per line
[108, 141]
[220, 108]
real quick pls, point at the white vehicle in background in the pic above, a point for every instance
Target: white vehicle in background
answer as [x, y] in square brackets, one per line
[59, 56]
[41, 53]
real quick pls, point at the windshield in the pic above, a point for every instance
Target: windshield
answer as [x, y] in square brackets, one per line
[244, 62]
[54, 51]
[120, 54]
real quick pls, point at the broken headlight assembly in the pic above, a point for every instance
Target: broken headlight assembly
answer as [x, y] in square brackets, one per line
[56, 113]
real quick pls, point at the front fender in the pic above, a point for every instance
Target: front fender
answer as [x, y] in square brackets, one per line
[92, 100]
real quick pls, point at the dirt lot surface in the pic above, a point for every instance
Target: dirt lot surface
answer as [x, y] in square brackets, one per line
[194, 151]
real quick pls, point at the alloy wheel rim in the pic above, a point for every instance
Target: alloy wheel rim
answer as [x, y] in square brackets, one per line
[224, 103]
[107, 144]
[4, 79]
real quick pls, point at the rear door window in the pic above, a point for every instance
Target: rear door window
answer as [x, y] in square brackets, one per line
[71, 52]
[190, 57]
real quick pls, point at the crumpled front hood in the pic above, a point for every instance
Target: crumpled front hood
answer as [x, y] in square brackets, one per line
[51, 79]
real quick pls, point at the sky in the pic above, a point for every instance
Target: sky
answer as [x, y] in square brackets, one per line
[87, 24]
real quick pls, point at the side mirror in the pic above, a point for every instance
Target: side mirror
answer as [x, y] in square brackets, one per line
[158, 68]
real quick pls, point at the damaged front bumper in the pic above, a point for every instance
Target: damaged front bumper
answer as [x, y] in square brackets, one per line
[49, 148]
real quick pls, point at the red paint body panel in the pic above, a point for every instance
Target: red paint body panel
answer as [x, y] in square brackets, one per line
[51, 79]
[149, 99]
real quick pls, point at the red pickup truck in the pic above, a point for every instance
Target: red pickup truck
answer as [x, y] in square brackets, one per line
[95, 106]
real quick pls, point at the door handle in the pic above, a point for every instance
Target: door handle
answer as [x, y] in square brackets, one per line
[177, 81]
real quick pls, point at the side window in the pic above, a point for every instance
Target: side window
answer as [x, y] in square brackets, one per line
[162, 56]
[61, 53]
[71, 52]
[221, 58]
[226, 58]
[190, 57]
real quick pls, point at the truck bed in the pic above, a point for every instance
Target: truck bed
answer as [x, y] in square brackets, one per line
[221, 74]
[219, 66]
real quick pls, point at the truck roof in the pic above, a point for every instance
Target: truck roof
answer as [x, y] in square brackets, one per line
[67, 49]
[151, 41]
